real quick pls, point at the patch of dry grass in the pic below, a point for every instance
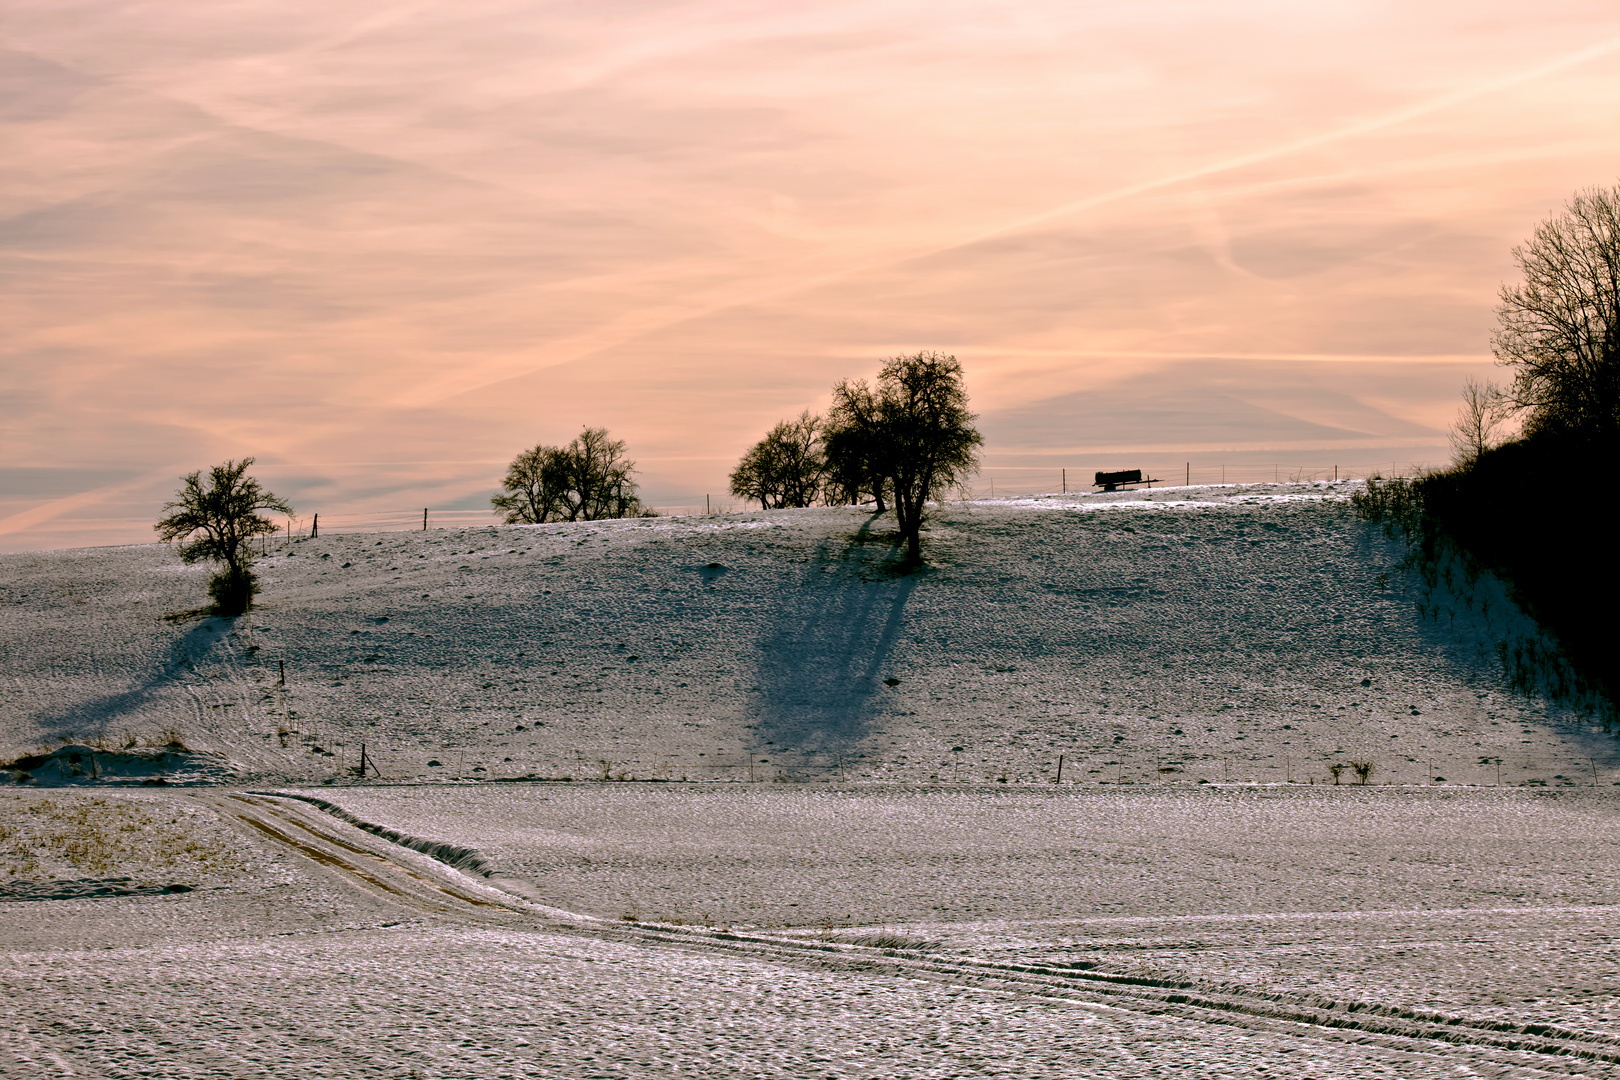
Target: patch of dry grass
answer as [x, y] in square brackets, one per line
[97, 836]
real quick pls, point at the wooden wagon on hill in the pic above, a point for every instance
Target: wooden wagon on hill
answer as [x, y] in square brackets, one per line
[1113, 481]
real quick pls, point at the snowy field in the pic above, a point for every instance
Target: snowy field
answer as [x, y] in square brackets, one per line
[1294, 933]
[870, 869]
[1231, 634]
[1228, 882]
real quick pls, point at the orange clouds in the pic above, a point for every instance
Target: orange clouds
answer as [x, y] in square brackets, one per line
[370, 232]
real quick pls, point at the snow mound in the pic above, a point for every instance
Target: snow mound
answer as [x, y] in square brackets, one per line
[76, 763]
[454, 856]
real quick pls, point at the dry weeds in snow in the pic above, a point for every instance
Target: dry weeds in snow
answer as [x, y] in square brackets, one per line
[71, 835]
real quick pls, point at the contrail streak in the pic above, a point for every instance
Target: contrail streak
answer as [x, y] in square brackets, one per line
[468, 381]
[55, 508]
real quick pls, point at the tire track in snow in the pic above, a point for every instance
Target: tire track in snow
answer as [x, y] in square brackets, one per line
[1387, 1026]
[374, 870]
[384, 871]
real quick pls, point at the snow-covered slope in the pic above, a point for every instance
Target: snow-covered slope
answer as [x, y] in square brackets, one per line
[1255, 632]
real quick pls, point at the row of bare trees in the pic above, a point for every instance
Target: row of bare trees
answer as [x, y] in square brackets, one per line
[902, 442]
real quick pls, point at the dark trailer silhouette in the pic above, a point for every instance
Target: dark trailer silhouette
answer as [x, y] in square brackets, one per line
[1113, 481]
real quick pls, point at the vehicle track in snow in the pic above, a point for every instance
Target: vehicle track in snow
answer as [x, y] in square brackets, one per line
[395, 874]
[377, 867]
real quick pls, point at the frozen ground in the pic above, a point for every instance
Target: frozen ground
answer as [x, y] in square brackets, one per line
[320, 954]
[923, 901]
[1495, 902]
[1247, 633]
[775, 856]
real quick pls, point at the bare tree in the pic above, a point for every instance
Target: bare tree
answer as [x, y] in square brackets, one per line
[755, 475]
[856, 452]
[911, 434]
[1560, 329]
[931, 443]
[534, 486]
[600, 478]
[1484, 409]
[785, 468]
[586, 480]
[215, 521]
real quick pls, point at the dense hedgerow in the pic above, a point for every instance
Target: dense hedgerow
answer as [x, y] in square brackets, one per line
[1521, 511]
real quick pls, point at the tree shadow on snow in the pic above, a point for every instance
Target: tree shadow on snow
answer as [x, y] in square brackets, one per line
[822, 665]
[96, 714]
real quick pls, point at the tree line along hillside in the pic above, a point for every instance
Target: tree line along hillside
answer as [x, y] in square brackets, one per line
[1530, 508]
[903, 442]
[1534, 508]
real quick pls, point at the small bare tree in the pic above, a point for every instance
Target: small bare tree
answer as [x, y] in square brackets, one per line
[1484, 409]
[215, 521]
[857, 455]
[534, 486]
[600, 478]
[784, 468]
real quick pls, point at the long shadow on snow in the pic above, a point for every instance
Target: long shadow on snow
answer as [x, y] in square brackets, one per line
[85, 717]
[821, 666]
[1471, 618]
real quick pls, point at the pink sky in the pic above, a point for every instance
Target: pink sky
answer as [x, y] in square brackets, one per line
[384, 246]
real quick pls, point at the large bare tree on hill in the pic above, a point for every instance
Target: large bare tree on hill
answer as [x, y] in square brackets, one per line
[907, 440]
[1560, 330]
[911, 433]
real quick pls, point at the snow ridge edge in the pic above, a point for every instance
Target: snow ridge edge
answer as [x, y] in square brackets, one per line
[467, 860]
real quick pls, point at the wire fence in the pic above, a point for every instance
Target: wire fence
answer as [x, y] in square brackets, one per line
[300, 526]
[992, 482]
[995, 481]
[1080, 768]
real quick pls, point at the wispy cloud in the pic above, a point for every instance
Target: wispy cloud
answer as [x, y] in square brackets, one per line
[347, 233]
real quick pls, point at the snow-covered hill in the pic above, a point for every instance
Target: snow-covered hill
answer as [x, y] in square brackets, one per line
[1253, 632]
